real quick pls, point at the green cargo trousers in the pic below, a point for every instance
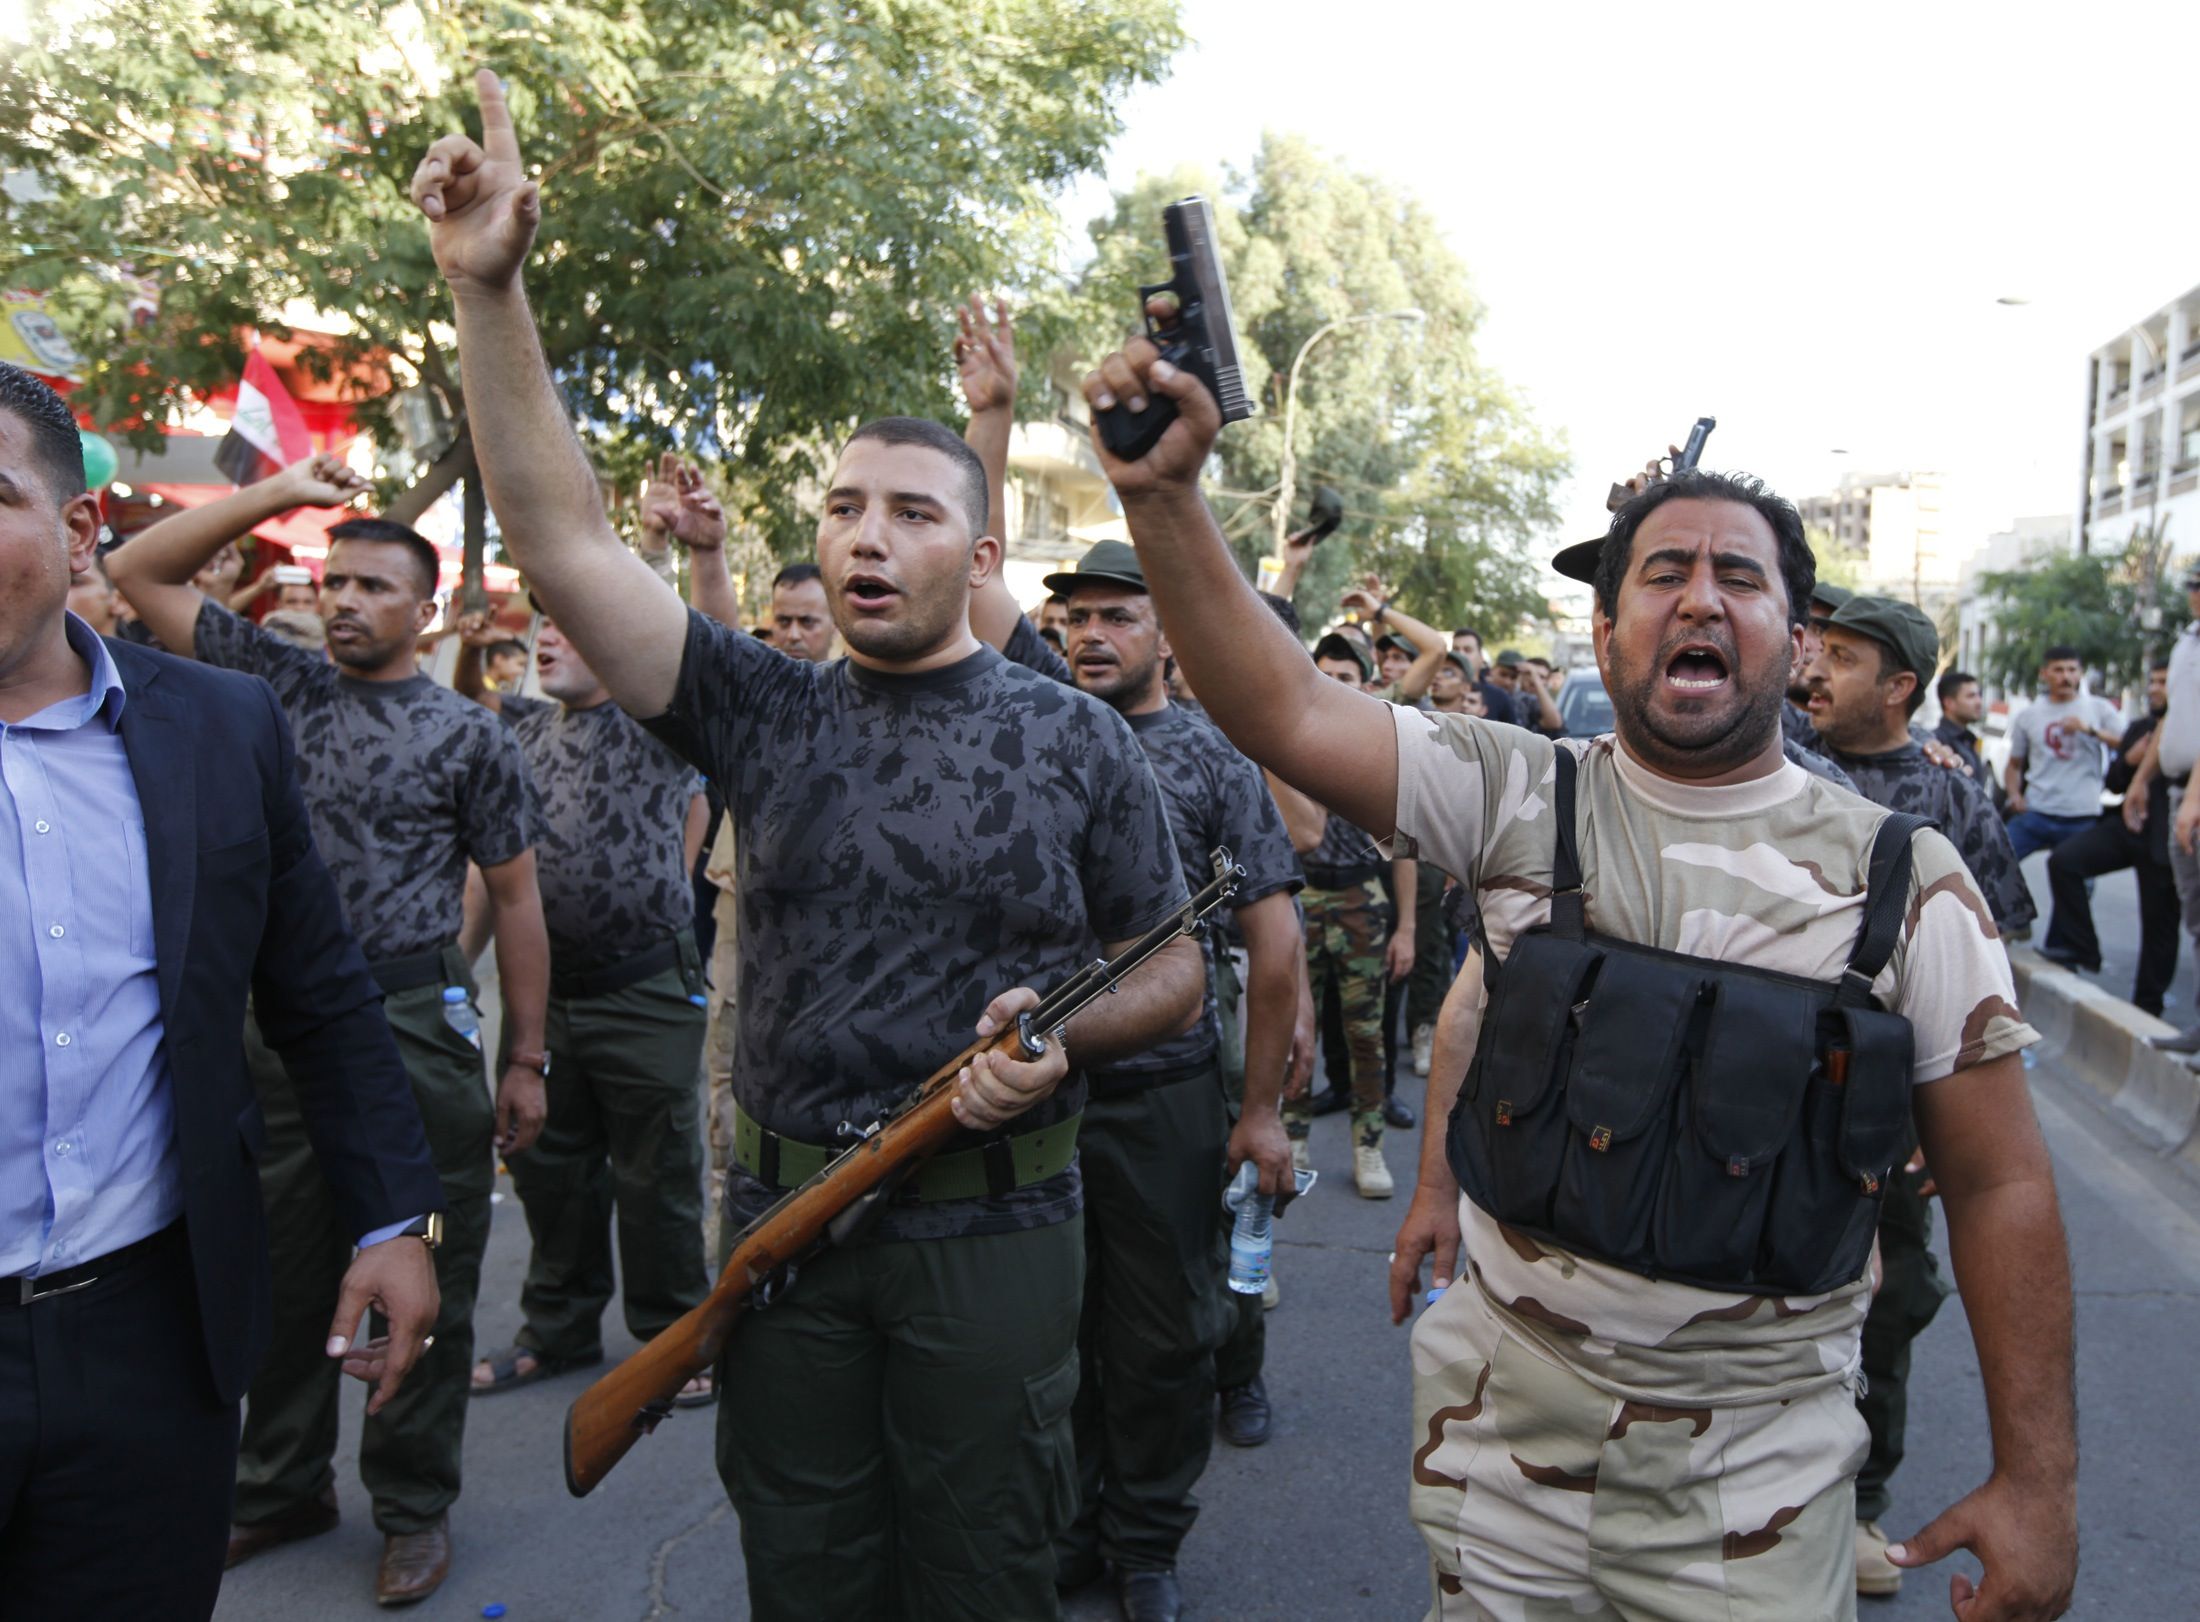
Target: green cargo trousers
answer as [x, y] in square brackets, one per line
[1243, 1355]
[1432, 940]
[1156, 1308]
[622, 1141]
[1910, 1293]
[409, 1453]
[894, 1431]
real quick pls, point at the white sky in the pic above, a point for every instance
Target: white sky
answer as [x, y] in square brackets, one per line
[1796, 220]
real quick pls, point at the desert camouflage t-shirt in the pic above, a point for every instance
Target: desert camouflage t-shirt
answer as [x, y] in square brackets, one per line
[908, 848]
[613, 865]
[1215, 796]
[405, 782]
[1770, 873]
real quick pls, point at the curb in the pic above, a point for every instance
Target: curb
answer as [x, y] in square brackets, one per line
[2104, 1042]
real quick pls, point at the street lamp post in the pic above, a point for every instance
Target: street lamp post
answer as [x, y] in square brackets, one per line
[1288, 479]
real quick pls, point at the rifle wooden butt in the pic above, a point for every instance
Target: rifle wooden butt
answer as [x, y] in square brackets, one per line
[631, 1400]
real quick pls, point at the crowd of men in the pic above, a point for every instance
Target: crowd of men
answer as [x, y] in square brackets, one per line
[1007, 1387]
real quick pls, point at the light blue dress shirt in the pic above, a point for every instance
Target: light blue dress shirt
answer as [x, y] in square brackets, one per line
[88, 1159]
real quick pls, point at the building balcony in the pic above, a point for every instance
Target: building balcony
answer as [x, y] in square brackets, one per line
[2183, 484]
[2109, 506]
[2150, 385]
[2118, 398]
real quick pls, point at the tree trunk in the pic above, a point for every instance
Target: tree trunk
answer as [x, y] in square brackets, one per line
[454, 464]
[473, 596]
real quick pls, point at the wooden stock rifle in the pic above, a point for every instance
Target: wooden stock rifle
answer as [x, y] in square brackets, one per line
[832, 1208]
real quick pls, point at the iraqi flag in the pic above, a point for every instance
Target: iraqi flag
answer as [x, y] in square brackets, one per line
[267, 430]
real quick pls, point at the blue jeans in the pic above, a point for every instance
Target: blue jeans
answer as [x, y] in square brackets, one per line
[2036, 831]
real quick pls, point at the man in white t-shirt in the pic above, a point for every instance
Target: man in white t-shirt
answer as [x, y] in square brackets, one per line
[1591, 1441]
[2059, 750]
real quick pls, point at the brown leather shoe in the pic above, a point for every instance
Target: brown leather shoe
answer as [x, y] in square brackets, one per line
[307, 1520]
[414, 1564]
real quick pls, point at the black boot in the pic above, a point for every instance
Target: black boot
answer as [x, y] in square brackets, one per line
[1149, 1596]
[1245, 1413]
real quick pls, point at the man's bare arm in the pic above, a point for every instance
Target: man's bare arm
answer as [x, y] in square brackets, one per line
[1161, 999]
[985, 362]
[1428, 648]
[2012, 1265]
[2144, 770]
[153, 569]
[697, 825]
[1431, 1226]
[1274, 958]
[482, 211]
[1252, 675]
[1305, 820]
[523, 969]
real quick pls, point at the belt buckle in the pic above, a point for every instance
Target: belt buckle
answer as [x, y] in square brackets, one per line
[27, 1289]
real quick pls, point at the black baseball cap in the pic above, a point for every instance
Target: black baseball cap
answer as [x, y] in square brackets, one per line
[1338, 646]
[1114, 563]
[1579, 561]
[1900, 627]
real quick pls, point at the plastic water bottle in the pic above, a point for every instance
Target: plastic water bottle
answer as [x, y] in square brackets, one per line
[458, 1013]
[1253, 1236]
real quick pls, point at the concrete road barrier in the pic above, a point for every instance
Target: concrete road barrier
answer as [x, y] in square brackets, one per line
[2103, 1041]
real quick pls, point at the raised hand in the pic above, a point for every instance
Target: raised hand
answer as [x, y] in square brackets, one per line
[1172, 467]
[479, 630]
[321, 480]
[482, 209]
[678, 506]
[985, 355]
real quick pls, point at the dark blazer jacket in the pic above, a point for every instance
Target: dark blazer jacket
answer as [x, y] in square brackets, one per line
[241, 902]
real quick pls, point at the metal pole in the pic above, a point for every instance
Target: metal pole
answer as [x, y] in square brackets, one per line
[1287, 480]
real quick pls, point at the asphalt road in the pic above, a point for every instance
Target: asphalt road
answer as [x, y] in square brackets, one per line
[2116, 920]
[1313, 1525]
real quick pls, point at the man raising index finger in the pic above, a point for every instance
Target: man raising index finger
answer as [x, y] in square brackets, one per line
[923, 833]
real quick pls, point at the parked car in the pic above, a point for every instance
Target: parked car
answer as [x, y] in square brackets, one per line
[1583, 705]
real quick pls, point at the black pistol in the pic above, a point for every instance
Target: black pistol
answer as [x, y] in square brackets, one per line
[1690, 455]
[1201, 340]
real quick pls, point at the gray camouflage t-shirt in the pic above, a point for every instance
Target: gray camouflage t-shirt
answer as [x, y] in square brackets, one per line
[908, 847]
[1215, 796]
[405, 783]
[613, 867]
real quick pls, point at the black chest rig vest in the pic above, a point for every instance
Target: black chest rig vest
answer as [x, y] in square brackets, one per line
[1683, 1118]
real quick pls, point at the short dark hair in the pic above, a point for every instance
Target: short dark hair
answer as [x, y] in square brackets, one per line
[1798, 565]
[1284, 609]
[1891, 666]
[1466, 630]
[389, 532]
[1061, 597]
[2159, 664]
[511, 644]
[1952, 683]
[795, 573]
[56, 444]
[2059, 652]
[936, 436]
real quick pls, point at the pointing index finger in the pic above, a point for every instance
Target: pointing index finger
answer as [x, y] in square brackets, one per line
[497, 138]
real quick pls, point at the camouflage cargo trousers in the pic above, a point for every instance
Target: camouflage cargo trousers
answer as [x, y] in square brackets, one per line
[1346, 933]
[1545, 1499]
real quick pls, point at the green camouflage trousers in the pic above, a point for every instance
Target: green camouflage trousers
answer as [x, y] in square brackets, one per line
[1346, 932]
[1545, 1499]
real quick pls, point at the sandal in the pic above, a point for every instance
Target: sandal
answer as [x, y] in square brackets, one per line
[699, 1392]
[505, 1374]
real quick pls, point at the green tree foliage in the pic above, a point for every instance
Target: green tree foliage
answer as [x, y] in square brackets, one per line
[1447, 482]
[2088, 601]
[754, 217]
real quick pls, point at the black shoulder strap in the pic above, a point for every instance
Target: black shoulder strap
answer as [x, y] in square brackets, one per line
[1566, 912]
[1886, 892]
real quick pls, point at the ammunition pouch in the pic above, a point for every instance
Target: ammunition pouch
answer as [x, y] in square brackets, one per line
[1683, 1118]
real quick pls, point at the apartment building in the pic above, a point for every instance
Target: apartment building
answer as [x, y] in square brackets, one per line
[2142, 438]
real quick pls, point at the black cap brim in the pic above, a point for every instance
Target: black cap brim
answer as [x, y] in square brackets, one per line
[1579, 561]
[1061, 585]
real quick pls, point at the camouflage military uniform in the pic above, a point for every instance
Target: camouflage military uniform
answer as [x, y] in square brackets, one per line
[1589, 1442]
[1348, 919]
[405, 782]
[895, 1432]
[621, 1146]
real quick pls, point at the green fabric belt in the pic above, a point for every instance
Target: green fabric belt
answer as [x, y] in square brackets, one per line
[993, 1168]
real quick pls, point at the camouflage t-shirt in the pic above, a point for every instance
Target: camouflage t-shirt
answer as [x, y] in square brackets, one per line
[1904, 780]
[613, 866]
[1215, 796]
[1769, 872]
[908, 847]
[405, 783]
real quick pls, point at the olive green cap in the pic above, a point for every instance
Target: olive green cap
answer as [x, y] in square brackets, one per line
[1112, 562]
[1391, 640]
[1900, 627]
[1829, 596]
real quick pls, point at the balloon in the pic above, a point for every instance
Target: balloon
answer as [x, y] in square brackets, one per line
[100, 461]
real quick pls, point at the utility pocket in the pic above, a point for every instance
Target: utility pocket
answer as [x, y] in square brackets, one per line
[1628, 1059]
[1508, 1131]
[1737, 1117]
[1832, 1180]
[1048, 1396]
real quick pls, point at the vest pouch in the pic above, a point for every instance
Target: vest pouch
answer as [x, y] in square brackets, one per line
[1831, 1182]
[1508, 1130]
[1629, 1057]
[1738, 1116]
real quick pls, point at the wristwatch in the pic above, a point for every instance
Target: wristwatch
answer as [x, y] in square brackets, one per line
[539, 1063]
[427, 1229]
